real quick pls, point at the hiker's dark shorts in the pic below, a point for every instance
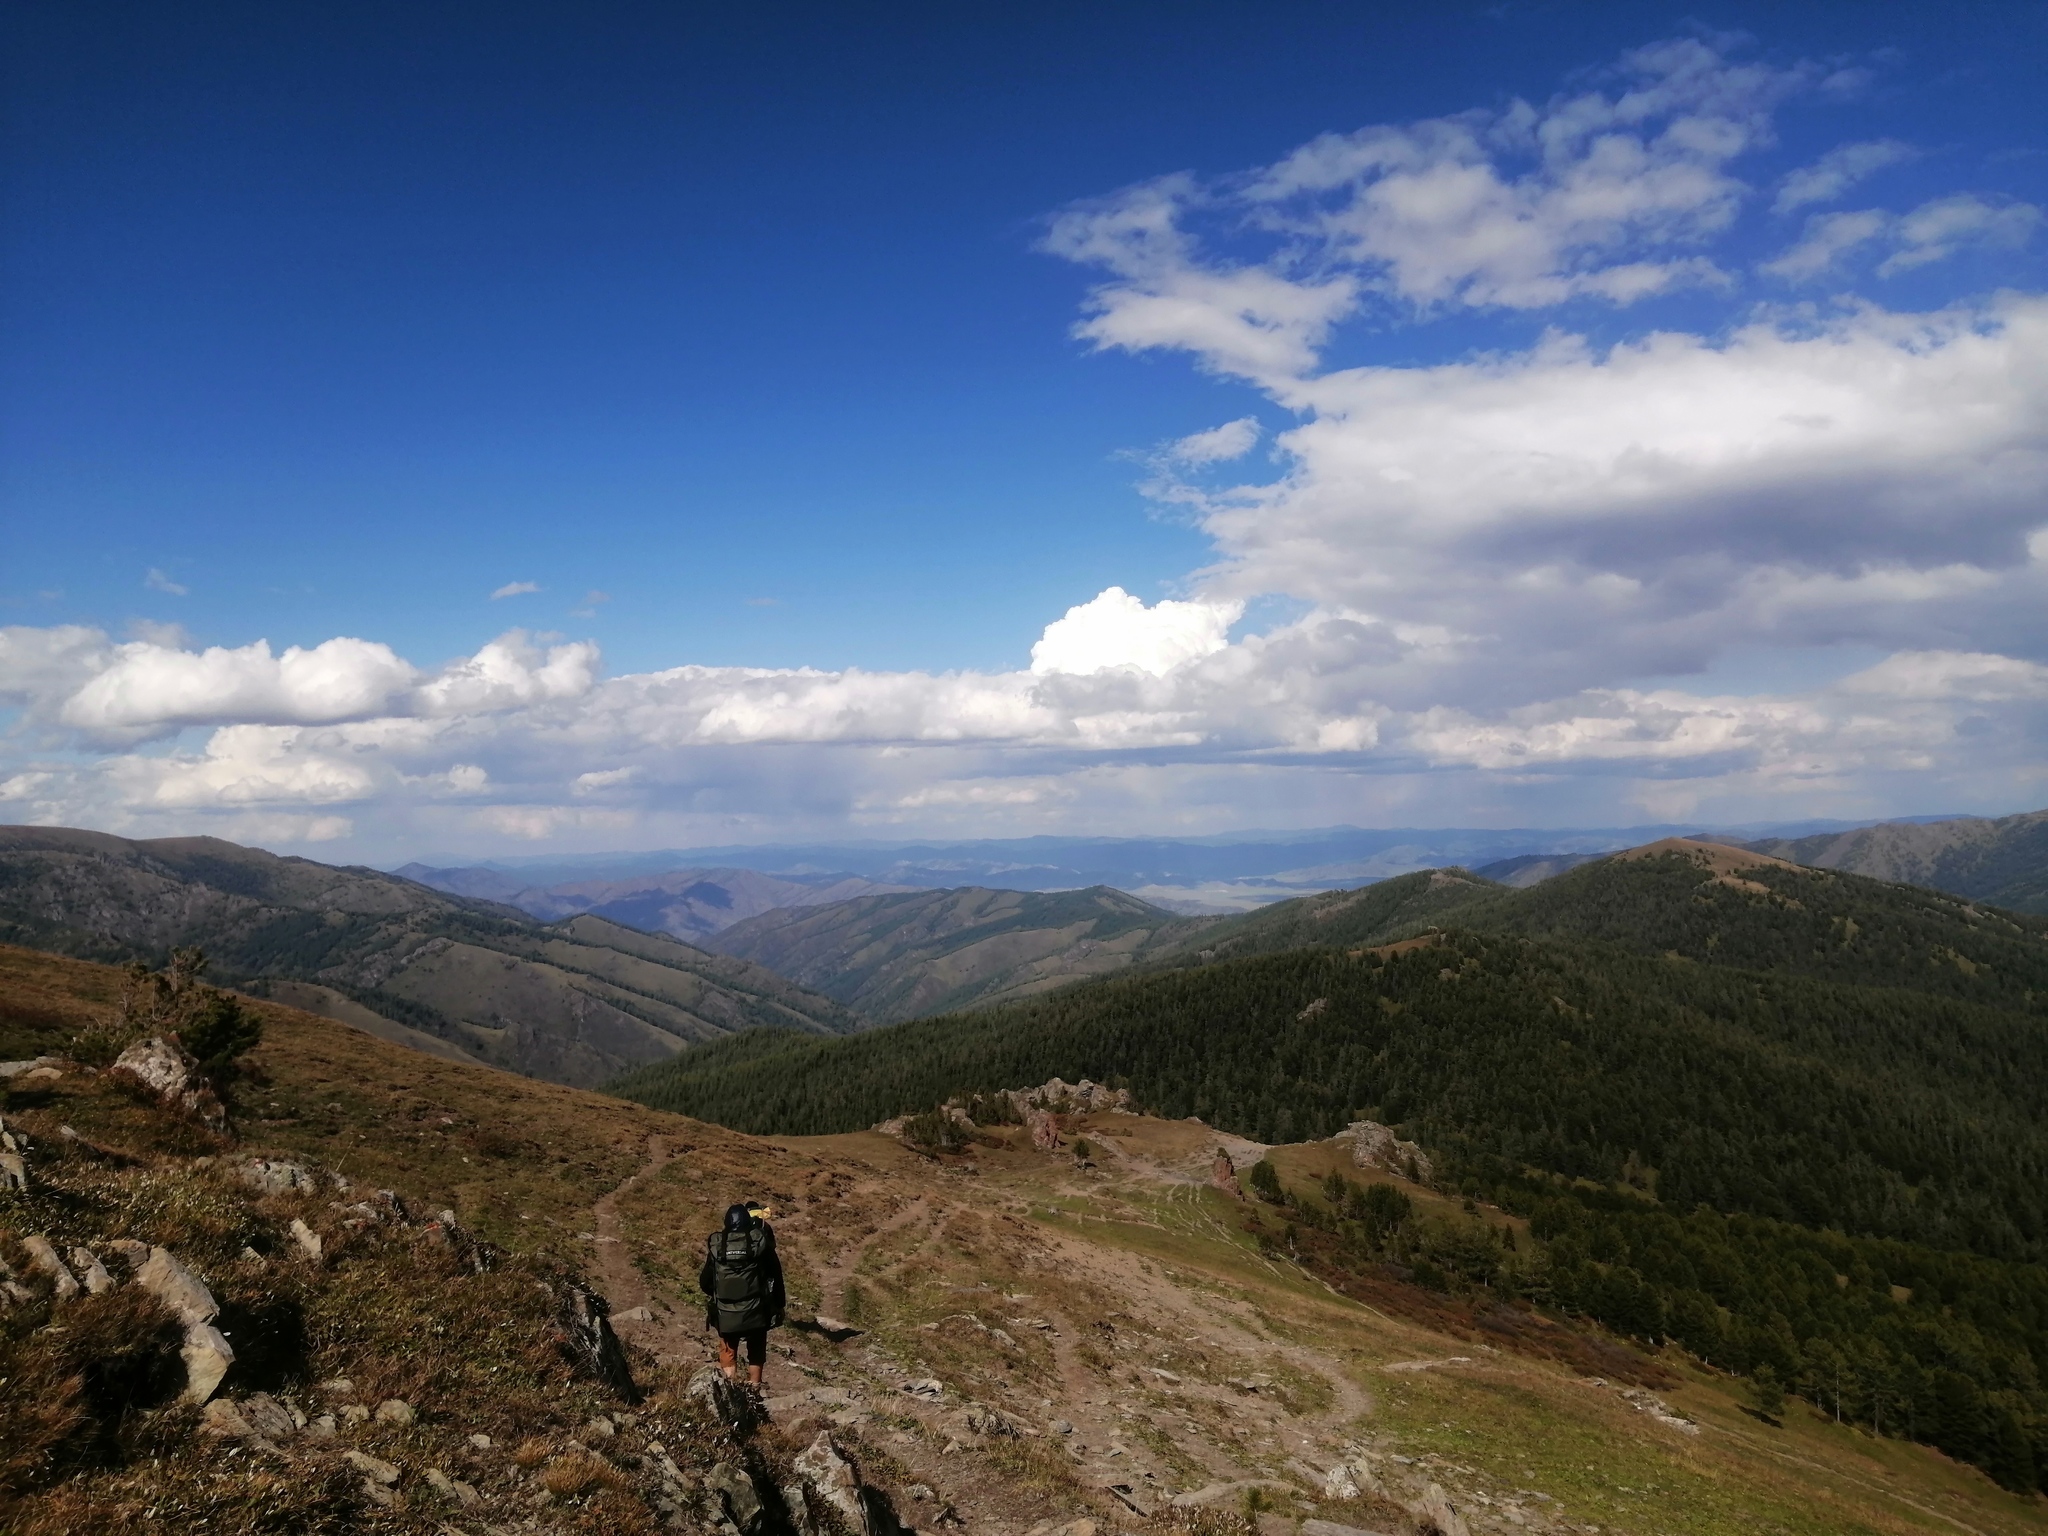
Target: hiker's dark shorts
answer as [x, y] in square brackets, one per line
[756, 1341]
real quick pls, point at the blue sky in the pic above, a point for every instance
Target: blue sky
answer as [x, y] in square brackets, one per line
[841, 341]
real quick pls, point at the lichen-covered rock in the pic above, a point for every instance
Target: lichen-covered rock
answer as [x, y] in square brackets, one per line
[736, 1495]
[276, 1177]
[725, 1399]
[831, 1477]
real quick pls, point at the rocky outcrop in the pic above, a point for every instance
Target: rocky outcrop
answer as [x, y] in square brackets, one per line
[1062, 1097]
[1045, 1131]
[1223, 1176]
[722, 1398]
[166, 1069]
[272, 1176]
[1376, 1146]
[583, 1321]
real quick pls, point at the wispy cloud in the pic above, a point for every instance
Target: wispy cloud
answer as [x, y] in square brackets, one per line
[515, 589]
[1932, 232]
[1837, 171]
[157, 581]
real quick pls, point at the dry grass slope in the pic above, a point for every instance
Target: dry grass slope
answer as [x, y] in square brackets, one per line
[1086, 1338]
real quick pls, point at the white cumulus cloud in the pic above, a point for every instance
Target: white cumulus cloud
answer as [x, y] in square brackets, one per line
[151, 686]
[1116, 629]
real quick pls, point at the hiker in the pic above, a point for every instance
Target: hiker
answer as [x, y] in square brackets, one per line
[742, 1283]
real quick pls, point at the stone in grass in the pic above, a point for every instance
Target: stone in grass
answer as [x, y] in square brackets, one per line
[177, 1288]
[92, 1274]
[207, 1356]
[1435, 1512]
[224, 1418]
[268, 1417]
[43, 1257]
[480, 1442]
[355, 1413]
[380, 1472]
[450, 1487]
[307, 1239]
[394, 1410]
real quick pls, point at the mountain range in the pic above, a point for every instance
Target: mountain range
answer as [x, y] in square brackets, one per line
[576, 1001]
[687, 904]
[1198, 875]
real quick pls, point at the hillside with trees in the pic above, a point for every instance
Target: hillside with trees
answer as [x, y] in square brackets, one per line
[891, 957]
[1795, 1121]
[576, 1002]
[2002, 860]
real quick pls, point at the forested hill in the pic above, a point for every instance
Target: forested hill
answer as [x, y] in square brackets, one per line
[575, 1002]
[1789, 1043]
[901, 956]
[1707, 902]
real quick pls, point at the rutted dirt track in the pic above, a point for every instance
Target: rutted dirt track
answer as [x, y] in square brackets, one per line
[892, 1230]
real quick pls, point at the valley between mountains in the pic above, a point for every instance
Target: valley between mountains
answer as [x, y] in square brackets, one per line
[1694, 1189]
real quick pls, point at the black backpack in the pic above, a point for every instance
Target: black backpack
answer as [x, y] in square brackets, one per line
[741, 1291]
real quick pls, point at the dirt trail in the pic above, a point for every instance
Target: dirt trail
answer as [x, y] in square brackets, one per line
[834, 1274]
[667, 1333]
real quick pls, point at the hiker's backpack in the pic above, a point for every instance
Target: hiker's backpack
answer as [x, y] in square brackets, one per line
[742, 1282]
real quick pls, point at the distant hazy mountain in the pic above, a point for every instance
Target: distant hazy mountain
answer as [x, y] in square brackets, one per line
[2002, 861]
[687, 904]
[900, 957]
[1532, 868]
[576, 1001]
[1229, 873]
